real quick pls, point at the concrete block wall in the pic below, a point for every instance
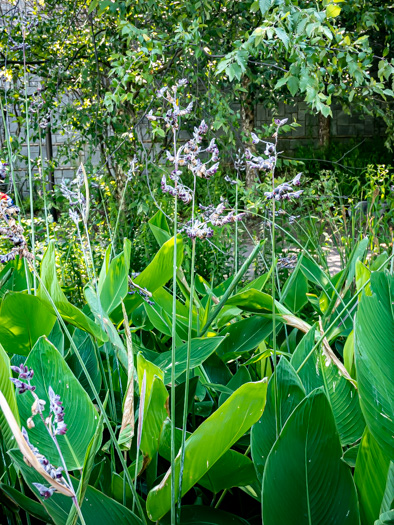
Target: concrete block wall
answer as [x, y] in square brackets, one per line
[343, 127]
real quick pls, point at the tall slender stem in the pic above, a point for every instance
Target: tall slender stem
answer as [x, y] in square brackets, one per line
[118, 216]
[236, 228]
[173, 347]
[44, 190]
[97, 398]
[32, 229]
[273, 289]
[187, 379]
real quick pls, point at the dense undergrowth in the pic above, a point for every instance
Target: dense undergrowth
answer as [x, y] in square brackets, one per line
[231, 379]
[197, 334]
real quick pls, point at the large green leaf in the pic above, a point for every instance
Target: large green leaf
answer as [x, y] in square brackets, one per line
[206, 445]
[387, 518]
[23, 319]
[155, 275]
[159, 226]
[88, 353]
[81, 417]
[155, 413]
[310, 373]
[314, 273]
[370, 476]
[7, 388]
[295, 294]
[200, 515]
[290, 393]
[255, 301]
[14, 276]
[233, 469]
[102, 317]
[241, 377]
[19, 500]
[243, 336]
[70, 313]
[305, 480]
[374, 359]
[344, 402]
[201, 349]
[115, 286]
[97, 508]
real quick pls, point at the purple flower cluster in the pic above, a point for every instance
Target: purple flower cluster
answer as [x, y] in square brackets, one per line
[3, 171]
[56, 407]
[180, 191]
[189, 155]
[287, 262]
[45, 492]
[192, 150]
[12, 230]
[23, 373]
[56, 473]
[171, 117]
[211, 216]
[215, 215]
[285, 190]
[143, 292]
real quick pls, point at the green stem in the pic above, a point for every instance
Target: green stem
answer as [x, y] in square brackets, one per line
[44, 190]
[97, 398]
[173, 347]
[339, 316]
[187, 380]
[236, 229]
[118, 217]
[274, 306]
[230, 289]
[33, 240]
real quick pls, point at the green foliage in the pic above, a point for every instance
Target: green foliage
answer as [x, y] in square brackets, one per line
[50, 370]
[308, 449]
[374, 336]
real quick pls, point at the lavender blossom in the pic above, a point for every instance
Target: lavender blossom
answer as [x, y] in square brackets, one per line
[255, 138]
[56, 407]
[279, 122]
[3, 171]
[23, 373]
[45, 492]
[297, 180]
[21, 386]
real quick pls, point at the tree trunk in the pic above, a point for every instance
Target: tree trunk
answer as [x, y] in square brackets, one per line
[51, 169]
[324, 130]
[247, 124]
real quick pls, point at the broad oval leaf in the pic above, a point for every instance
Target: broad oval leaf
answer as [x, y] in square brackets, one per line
[201, 349]
[7, 388]
[305, 468]
[374, 359]
[233, 469]
[81, 418]
[70, 313]
[115, 286]
[206, 445]
[155, 275]
[290, 393]
[243, 336]
[200, 515]
[96, 507]
[344, 402]
[310, 373]
[370, 476]
[23, 319]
